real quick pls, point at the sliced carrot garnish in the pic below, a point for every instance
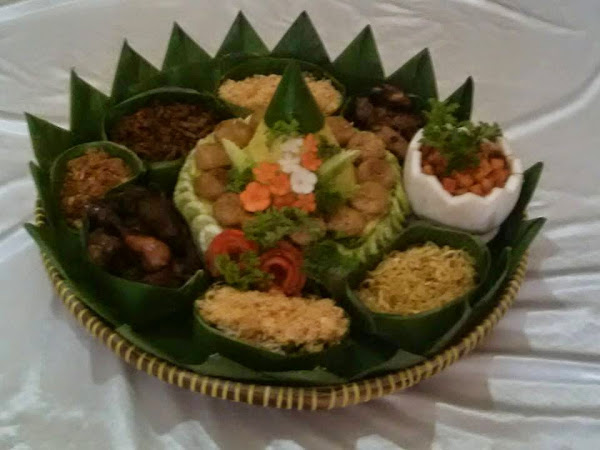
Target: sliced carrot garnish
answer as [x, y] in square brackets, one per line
[449, 184]
[306, 202]
[310, 161]
[256, 197]
[281, 201]
[310, 143]
[266, 171]
[280, 184]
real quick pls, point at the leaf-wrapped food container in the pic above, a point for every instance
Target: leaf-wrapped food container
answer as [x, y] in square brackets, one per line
[141, 304]
[255, 357]
[163, 173]
[59, 167]
[276, 66]
[418, 333]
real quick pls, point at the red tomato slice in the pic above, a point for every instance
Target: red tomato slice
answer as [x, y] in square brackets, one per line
[284, 263]
[230, 242]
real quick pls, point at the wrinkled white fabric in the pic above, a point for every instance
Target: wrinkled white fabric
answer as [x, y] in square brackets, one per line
[534, 384]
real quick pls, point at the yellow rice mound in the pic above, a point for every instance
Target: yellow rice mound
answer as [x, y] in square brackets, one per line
[256, 92]
[418, 279]
[273, 321]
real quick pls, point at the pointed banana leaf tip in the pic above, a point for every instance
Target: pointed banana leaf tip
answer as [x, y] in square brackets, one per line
[177, 29]
[293, 101]
[303, 17]
[425, 53]
[367, 32]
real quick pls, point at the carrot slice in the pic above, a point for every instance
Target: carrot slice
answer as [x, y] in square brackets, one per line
[280, 184]
[310, 160]
[464, 180]
[310, 143]
[281, 201]
[449, 184]
[256, 197]
[476, 189]
[266, 171]
[497, 163]
[306, 202]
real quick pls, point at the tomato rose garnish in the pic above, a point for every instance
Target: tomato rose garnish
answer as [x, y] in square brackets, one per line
[284, 263]
[229, 242]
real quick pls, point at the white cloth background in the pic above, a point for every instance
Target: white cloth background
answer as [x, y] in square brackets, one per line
[534, 384]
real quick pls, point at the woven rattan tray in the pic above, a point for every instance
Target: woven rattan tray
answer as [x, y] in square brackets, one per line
[311, 398]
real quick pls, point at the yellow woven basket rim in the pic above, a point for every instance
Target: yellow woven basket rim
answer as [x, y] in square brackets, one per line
[288, 397]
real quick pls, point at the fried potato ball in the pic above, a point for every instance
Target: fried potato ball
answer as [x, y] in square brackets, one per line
[342, 129]
[376, 169]
[228, 210]
[348, 221]
[234, 130]
[369, 144]
[211, 184]
[371, 198]
[211, 156]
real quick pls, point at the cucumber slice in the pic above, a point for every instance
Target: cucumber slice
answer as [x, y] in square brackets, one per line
[197, 212]
[240, 159]
[336, 164]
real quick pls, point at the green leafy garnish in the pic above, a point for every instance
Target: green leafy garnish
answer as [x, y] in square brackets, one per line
[270, 227]
[243, 274]
[281, 128]
[326, 149]
[324, 259]
[327, 198]
[458, 141]
[238, 179]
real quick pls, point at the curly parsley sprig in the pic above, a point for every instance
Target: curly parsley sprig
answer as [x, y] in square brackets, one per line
[269, 227]
[243, 274]
[282, 128]
[458, 141]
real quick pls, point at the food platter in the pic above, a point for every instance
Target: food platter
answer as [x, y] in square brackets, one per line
[245, 226]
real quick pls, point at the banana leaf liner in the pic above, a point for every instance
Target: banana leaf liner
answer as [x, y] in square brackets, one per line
[418, 333]
[182, 49]
[359, 66]
[175, 340]
[417, 78]
[256, 357]
[269, 65]
[163, 173]
[186, 65]
[301, 41]
[72, 268]
[240, 44]
[463, 97]
[515, 224]
[198, 75]
[132, 69]
[88, 106]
